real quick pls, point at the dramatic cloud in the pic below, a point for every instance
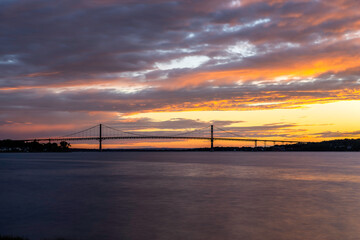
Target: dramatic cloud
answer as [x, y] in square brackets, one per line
[89, 60]
[330, 134]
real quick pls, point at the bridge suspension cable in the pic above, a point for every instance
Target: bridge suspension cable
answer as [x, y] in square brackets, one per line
[121, 131]
[152, 135]
[190, 132]
[103, 132]
[236, 135]
[80, 132]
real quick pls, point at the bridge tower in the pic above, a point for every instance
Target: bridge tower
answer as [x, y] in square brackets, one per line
[100, 138]
[212, 138]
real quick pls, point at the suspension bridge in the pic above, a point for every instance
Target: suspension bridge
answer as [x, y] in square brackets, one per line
[103, 132]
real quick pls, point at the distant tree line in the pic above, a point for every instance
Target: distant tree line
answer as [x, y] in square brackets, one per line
[333, 145]
[35, 146]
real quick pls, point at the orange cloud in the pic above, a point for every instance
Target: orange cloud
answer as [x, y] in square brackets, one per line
[300, 68]
[41, 74]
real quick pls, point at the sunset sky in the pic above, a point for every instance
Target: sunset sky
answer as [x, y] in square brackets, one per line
[276, 69]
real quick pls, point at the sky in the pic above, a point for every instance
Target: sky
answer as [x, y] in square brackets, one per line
[276, 69]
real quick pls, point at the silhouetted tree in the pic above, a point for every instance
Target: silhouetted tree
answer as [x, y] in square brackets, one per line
[64, 145]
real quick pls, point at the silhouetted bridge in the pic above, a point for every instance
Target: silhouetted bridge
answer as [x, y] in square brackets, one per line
[102, 132]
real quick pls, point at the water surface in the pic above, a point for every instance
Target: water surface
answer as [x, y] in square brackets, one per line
[181, 195]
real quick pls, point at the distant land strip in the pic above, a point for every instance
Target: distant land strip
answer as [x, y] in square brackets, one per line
[333, 145]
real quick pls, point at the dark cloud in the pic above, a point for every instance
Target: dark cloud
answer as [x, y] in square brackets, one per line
[55, 56]
[337, 134]
[82, 40]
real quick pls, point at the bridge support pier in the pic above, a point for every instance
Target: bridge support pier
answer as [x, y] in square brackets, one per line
[212, 138]
[100, 138]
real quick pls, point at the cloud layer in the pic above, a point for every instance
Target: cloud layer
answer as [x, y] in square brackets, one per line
[92, 60]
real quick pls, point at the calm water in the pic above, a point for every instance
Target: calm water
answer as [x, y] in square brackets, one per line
[177, 195]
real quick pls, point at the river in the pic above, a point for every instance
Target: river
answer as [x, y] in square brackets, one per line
[181, 195]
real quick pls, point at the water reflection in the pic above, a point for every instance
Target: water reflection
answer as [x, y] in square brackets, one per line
[181, 196]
